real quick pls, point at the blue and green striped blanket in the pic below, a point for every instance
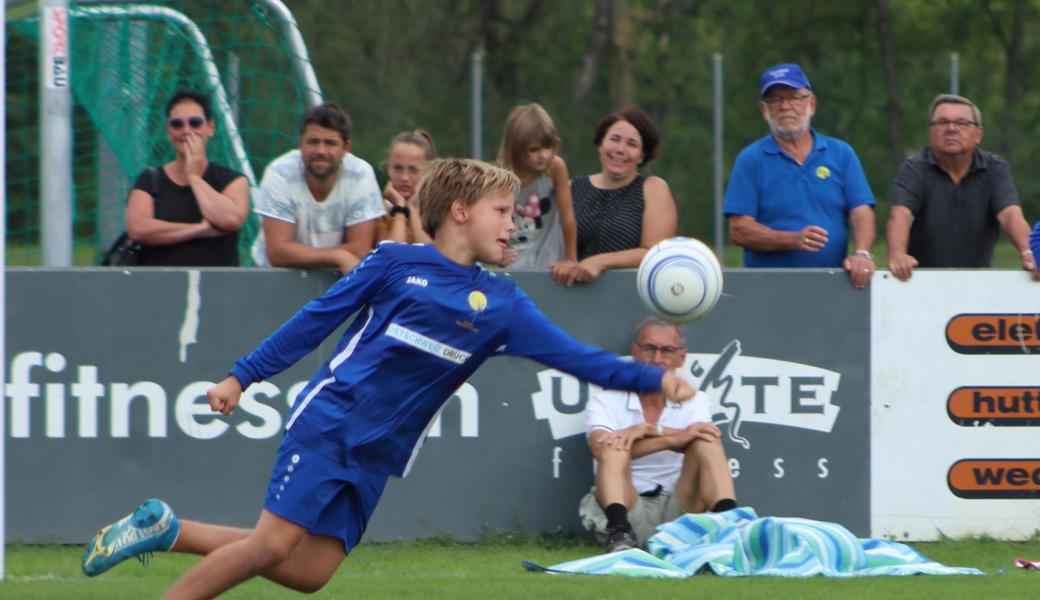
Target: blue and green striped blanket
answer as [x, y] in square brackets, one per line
[738, 543]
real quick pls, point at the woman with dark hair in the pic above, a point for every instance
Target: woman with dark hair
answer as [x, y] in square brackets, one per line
[620, 212]
[187, 213]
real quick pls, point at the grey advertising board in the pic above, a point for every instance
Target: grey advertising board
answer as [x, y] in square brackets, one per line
[107, 372]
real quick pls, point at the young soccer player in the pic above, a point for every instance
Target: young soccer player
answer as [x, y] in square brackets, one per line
[427, 317]
[546, 234]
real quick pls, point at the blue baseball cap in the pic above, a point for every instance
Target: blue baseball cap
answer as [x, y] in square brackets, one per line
[788, 74]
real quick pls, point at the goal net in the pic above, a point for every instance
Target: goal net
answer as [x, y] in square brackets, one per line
[125, 61]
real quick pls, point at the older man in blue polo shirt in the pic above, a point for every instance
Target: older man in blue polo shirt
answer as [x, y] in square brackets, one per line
[794, 194]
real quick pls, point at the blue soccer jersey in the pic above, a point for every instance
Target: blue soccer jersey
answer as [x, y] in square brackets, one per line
[425, 324]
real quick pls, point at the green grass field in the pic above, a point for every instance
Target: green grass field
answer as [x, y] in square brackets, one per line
[437, 569]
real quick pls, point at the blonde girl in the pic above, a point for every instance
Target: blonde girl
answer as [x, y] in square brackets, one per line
[545, 235]
[407, 157]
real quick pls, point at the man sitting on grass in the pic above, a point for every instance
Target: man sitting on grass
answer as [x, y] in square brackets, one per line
[655, 459]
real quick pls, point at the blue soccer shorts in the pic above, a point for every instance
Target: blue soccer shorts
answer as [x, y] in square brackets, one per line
[321, 494]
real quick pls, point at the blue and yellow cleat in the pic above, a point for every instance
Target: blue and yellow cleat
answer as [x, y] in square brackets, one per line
[151, 527]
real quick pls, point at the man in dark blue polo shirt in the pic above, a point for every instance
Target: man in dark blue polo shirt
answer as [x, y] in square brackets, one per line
[950, 200]
[794, 193]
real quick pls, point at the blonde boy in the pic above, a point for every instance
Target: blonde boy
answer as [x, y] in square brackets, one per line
[427, 317]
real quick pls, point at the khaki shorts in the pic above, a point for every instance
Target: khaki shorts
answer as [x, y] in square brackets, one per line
[650, 511]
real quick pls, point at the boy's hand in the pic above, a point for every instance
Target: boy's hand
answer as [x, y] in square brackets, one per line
[676, 388]
[223, 397]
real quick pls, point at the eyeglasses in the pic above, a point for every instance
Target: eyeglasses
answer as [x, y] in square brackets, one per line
[664, 350]
[194, 122]
[775, 101]
[958, 124]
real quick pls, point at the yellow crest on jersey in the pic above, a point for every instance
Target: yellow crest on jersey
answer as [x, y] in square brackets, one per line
[823, 172]
[477, 301]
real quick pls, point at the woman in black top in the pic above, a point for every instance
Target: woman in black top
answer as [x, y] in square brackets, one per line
[187, 213]
[620, 212]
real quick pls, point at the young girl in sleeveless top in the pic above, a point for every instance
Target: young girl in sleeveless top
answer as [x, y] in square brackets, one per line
[407, 157]
[545, 235]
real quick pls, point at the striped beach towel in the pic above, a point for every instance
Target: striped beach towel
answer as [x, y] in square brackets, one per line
[738, 543]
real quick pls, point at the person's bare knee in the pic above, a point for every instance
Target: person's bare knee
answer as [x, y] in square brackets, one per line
[613, 459]
[273, 540]
[311, 584]
[269, 551]
[311, 565]
[702, 449]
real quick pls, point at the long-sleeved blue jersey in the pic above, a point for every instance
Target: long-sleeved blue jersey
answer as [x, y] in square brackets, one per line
[425, 324]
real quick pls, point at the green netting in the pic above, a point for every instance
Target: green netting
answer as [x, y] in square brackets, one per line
[127, 59]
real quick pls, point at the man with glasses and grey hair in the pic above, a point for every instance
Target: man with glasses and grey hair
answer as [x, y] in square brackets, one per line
[794, 195]
[950, 201]
[654, 460]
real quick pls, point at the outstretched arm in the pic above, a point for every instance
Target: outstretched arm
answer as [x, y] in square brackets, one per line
[532, 335]
[313, 323]
[561, 270]
[858, 264]
[1014, 224]
[900, 263]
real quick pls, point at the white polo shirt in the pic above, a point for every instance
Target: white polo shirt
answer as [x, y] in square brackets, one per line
[613, 410]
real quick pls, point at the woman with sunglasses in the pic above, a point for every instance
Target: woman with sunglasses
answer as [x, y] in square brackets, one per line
[187, 213]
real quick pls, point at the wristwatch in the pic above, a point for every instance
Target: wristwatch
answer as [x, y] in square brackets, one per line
[404, 210]
[659, 431]
[864, 253]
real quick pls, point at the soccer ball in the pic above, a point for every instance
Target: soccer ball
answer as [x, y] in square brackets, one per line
[679, 279]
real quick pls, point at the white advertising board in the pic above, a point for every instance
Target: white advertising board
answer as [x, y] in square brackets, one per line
[955, 410]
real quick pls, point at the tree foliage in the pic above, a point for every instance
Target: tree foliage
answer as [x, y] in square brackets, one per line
[875, 66]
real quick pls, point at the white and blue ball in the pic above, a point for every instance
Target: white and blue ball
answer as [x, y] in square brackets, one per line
[680, 279]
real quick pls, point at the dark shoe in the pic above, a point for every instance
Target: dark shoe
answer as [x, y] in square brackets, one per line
[621, 538]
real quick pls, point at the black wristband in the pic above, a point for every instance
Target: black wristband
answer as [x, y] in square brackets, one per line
[404, 210]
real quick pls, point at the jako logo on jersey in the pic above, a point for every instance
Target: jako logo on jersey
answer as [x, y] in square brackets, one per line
[742, 388]
[419, 281]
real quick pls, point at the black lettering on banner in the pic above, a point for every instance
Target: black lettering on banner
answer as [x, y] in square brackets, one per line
[981, 478]
[557, 397]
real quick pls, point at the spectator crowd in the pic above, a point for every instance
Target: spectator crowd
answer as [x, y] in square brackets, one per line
[796, 197]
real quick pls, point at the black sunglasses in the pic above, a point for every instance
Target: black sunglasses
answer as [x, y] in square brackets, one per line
[194, 122]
